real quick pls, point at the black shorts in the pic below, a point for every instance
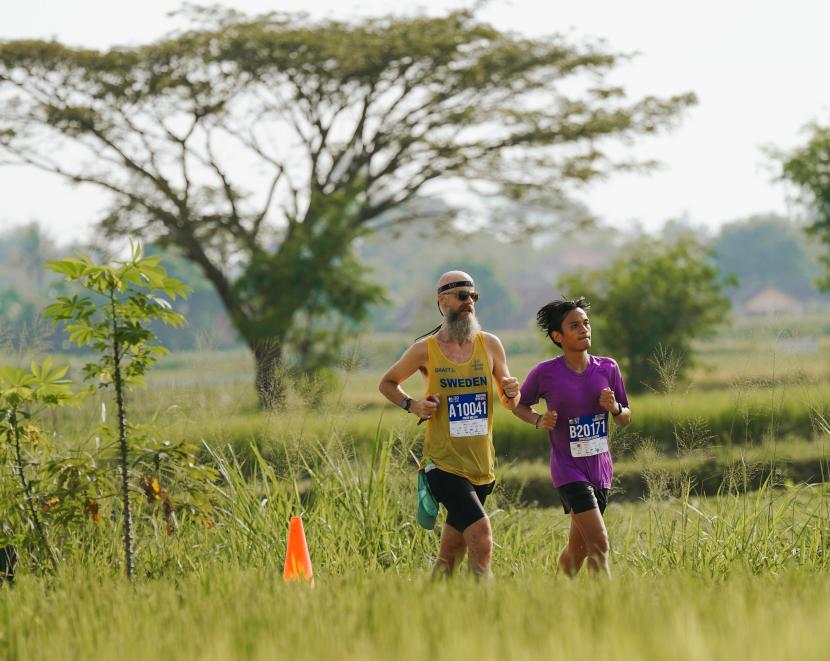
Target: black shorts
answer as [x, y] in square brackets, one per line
[582, 496]
[463, 499]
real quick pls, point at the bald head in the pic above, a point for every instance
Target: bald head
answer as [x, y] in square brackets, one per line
[453, 276]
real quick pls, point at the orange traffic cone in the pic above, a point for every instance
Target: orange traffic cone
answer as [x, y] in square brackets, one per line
[297, 560]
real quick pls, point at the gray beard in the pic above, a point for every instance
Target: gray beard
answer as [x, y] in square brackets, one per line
[460, 329]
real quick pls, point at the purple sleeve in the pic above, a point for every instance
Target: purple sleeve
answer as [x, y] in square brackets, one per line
[617, 385]
[530, 388]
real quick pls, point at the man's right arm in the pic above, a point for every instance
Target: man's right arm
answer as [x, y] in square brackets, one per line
[546, 420]
[524, 412]
[530, 396]
[414, 359]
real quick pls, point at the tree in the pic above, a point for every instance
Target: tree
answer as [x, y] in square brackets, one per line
[263, 147]
[126, 298]
[649, 305]
[807, 167]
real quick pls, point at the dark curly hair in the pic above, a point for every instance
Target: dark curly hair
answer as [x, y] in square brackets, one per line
[550, 316]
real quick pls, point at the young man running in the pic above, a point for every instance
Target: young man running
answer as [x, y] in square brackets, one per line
[580, 391]
[462, 368]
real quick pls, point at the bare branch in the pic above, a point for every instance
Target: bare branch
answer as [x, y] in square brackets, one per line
[267, 205]
[151, 152]
[357, 136]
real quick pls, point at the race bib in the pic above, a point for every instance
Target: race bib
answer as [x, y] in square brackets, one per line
[588, 435]
[468, 414]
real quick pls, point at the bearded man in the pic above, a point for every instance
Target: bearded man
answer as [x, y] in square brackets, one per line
[463, 369]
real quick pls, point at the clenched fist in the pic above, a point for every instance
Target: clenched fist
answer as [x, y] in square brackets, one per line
[425, 408]
[608, 401]
[510, 386]
[548, 421]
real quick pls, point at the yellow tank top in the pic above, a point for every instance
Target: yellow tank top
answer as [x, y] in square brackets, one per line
[459, 437]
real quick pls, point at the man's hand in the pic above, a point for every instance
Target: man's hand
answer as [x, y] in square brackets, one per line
[608, 401]
[424, 408]
[548, 421]
[510, 386]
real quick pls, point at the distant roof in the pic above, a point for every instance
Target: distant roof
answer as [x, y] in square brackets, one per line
[770, 299]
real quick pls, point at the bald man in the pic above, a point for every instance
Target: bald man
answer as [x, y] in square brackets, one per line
[463, 370]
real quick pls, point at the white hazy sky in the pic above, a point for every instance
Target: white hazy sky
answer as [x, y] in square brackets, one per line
[759, 68]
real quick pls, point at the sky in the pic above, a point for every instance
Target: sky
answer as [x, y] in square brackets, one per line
[758, 68]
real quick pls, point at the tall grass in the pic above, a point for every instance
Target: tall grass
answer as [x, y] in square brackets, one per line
[359, 516]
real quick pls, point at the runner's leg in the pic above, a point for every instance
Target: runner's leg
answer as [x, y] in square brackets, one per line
[452, 550]
[591, 527]
[467, 528]
[479, 539]
[574, 553]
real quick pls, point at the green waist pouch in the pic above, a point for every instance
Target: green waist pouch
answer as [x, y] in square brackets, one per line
[427, 505]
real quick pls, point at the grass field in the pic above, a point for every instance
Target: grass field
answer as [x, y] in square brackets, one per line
[741, 573]
[749, 385]
[237, 613]
[721, 578]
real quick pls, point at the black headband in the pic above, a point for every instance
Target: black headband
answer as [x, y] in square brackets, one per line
[453, 285]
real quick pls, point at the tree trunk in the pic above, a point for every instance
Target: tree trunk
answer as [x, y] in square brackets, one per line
[122, 445]
[270, 377]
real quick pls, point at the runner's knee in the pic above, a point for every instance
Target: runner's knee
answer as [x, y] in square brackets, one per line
[577, 550]
[599, 543]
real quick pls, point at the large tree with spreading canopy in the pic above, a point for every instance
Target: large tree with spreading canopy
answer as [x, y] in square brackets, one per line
[263, 147]
[651, 303]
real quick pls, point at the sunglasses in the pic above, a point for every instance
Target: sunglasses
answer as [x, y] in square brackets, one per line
[464, 295]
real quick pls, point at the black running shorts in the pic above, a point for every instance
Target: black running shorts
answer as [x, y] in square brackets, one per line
[464, 501]
[582, 496]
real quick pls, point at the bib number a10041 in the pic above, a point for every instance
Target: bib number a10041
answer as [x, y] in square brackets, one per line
[467, 414]
[588, 435]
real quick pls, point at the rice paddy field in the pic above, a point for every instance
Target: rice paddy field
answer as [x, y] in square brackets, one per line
[719, 526]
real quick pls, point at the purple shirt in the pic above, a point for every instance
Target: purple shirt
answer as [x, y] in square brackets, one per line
[578, 443]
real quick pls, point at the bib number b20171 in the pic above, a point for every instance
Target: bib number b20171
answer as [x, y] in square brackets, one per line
[467, 414]
[588, 435]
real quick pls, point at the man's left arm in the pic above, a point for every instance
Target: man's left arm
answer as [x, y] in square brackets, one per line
[508, 386]
[615, 400]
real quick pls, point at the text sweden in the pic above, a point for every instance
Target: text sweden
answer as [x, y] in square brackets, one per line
[469, 382]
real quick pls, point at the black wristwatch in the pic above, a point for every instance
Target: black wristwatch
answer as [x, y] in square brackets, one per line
[619, 411]
[406, 403]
